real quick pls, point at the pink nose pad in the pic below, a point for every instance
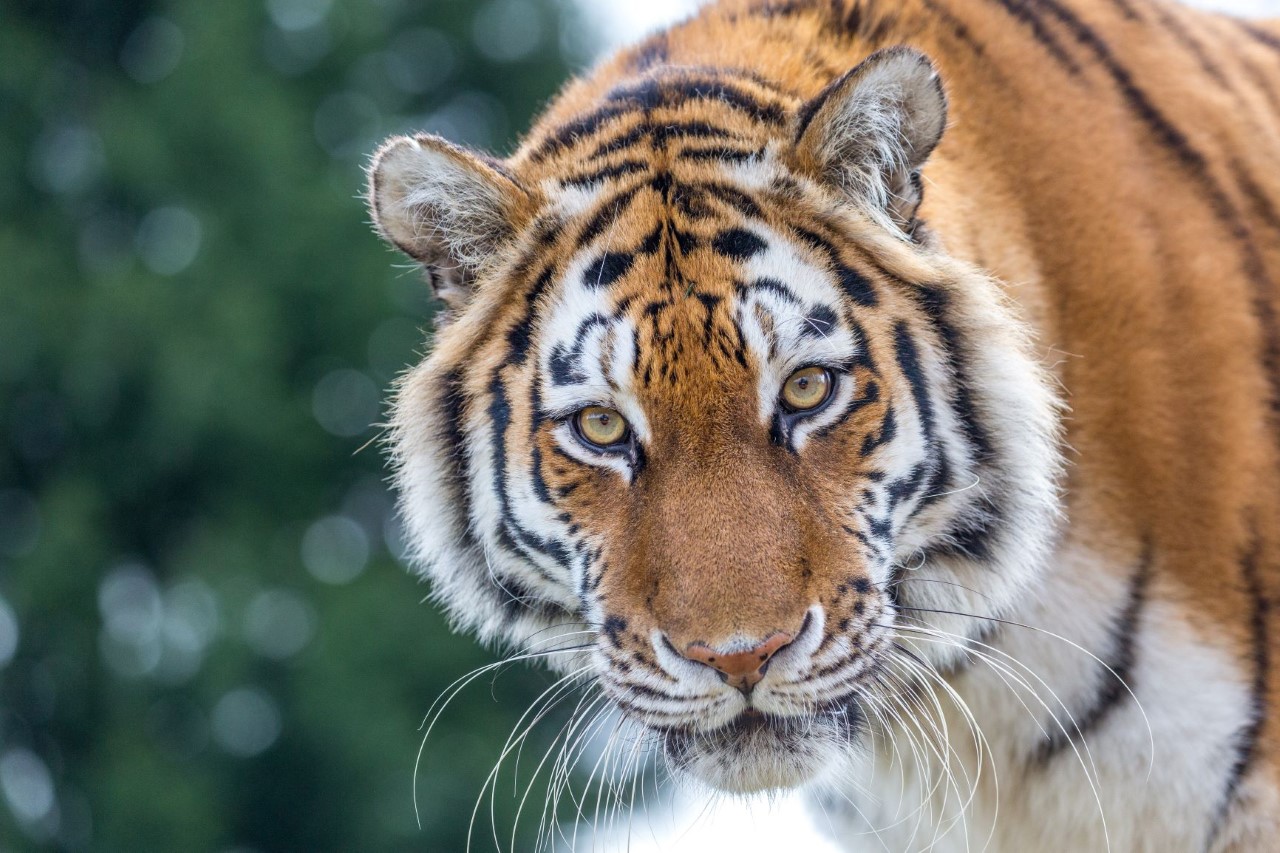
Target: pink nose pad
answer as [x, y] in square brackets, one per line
[741, 670]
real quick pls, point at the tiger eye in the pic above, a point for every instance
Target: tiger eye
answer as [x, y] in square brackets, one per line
[806, 389]
[601, 426]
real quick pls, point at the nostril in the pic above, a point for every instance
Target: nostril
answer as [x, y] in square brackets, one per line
[740, 669]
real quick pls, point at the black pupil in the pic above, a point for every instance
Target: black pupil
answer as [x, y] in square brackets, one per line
[803, 382]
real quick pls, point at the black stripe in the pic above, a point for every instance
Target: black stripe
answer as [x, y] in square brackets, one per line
[958, 27]
[1137, 99]
[519, 336]
[936, 303]
[870, 393]
[453, 408]
[1126, 10]
[740, 73]
[566, 363]
[512, 533]
[782, 8]
[904, 346]
[906, 487]
[888, 429]
[974, 533]
[733, 197]
[661, 135]
[515, 599]
[605, 173]
[666, 92]
[606, 212]
[855, 285]
[819, 322]
[1019, 9]
[721, 152]
[686, 241]
[1261, 36]
[664, 132]
[1114, 685]
[564, 366]
[1188, 41]
[582, 126]
[1245, 741]
[1261, 204]
[738, 244]
[611, 267]
[1262, 83]
[540, 488]
[771, 285]
[938, 481]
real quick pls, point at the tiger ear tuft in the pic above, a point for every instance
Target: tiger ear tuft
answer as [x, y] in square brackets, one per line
[870, 131]
[445, 207]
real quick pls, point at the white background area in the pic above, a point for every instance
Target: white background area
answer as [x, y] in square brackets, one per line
[691, 824]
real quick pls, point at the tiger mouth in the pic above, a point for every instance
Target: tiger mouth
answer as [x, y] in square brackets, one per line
[757, 751]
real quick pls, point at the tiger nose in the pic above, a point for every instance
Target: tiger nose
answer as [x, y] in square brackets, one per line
[740, 670]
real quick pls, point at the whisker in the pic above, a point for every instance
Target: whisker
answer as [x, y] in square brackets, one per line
[1151, 738]
[437, 709]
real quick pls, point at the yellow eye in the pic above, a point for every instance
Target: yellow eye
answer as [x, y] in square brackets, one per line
[601, 426]
[806, 389]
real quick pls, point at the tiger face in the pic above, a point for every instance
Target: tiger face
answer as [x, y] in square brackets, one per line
[706, 389]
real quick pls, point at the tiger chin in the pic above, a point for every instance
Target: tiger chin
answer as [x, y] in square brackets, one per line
[887, 392]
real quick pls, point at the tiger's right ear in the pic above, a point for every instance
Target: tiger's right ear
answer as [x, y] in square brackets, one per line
[870, 131]
[443, 206]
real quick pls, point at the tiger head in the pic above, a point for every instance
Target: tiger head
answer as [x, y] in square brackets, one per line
[705, 387]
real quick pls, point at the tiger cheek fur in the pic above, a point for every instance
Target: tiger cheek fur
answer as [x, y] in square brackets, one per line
[837, 590]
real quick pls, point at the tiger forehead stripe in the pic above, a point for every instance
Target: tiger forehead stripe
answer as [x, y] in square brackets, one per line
[730, 94]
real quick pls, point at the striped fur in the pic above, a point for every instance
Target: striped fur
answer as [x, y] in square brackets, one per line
[1033, 536]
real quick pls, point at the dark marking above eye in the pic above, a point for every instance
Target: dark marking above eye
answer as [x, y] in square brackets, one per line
[564, 366]
[611, 267]
[819, 322]
[777, 288]
[857, 286]
[738, 244]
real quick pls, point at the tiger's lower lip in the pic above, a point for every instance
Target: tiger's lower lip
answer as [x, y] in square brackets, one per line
[750, 720]
[753, 721]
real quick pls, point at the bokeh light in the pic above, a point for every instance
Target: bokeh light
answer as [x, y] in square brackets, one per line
[335, 549]
[152, 51]
[168, 239]
[28, 789]
[246, 721]
[10, 632]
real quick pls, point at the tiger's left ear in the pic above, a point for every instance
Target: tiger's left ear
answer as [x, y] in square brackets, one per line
[870, 131]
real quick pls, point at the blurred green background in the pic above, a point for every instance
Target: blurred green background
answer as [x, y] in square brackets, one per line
[207, 638]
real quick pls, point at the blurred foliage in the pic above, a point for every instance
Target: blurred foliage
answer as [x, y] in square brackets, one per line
[207, 641]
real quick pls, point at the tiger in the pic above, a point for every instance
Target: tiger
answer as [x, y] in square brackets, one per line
[888, 391]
